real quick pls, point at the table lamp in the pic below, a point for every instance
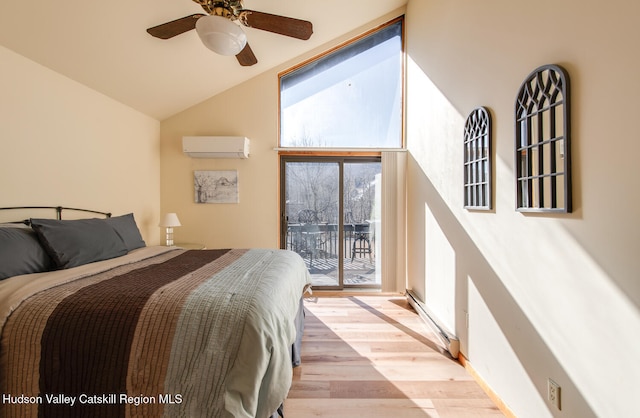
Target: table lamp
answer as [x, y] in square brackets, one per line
[169, 221]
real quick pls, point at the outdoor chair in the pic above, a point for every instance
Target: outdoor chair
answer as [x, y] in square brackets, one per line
[361, 241]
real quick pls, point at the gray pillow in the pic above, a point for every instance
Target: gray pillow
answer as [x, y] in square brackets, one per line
[72, 243]
[128, 231]
[21, 253]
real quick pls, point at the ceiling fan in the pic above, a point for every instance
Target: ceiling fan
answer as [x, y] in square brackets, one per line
[220, 32]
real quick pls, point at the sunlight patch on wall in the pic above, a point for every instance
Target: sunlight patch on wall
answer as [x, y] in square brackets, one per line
[569, 299]
[486, 340]
[439, 294]
[434, 128]
[558, 287]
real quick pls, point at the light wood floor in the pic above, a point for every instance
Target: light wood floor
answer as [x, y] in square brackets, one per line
[371, 357]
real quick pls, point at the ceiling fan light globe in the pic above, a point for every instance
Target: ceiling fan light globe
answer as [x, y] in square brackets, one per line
[221, 35]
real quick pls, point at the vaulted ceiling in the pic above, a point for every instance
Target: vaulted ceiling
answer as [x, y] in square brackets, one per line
[105, 46]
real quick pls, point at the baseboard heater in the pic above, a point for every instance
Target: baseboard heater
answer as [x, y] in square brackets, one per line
[449, 341]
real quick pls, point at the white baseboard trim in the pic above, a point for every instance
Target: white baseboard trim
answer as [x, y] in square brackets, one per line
[449, 341]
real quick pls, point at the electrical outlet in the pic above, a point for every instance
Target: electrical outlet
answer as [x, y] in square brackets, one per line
[553, 393]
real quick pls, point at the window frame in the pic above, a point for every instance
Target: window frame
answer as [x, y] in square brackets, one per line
[341, 161]
[360, 151]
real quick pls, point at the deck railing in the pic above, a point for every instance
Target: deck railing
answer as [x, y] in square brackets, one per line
[322, 240]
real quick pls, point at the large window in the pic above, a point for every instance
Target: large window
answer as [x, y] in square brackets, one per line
[348, 98]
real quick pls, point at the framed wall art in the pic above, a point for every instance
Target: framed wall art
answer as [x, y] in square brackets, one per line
[219, 186]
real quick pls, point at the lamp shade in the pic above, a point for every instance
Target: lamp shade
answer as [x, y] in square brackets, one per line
[170, 220]
[221, 35]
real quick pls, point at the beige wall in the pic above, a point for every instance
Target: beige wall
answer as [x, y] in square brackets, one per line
[65, 144]
[547, 296]
[250, 110]
[247, 110]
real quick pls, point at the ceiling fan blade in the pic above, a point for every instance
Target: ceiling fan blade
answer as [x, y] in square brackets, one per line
[282, 25]
[175, 27]
[246, 58]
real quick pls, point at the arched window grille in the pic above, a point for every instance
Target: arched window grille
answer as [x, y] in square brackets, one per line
[477, 160]
[543, 169]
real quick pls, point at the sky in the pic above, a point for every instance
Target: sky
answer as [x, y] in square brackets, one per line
[352, 102]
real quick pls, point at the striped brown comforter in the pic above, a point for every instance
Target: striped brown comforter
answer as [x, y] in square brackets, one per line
[183, 333]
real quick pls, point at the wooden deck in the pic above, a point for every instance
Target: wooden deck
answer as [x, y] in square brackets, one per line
[359, 272]
[318, 245]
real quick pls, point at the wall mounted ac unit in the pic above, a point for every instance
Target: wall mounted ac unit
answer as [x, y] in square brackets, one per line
[216, 146]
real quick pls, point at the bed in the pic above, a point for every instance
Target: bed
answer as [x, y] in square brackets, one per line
[96, 323]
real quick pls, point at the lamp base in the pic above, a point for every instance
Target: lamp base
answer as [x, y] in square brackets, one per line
[169, 237]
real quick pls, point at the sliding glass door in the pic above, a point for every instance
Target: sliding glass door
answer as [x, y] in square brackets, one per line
[330, 210]
[361, 186]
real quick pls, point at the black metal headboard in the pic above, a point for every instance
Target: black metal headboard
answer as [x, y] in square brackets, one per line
[58, 211]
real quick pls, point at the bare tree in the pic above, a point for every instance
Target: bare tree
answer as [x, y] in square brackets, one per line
[202, 183]
[313, 186]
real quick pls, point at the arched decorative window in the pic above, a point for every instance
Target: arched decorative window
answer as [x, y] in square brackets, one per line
[477, 160]
[543, 168]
